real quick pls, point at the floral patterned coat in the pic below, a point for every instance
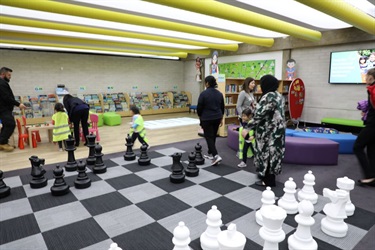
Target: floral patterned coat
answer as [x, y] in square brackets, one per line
[269, 119]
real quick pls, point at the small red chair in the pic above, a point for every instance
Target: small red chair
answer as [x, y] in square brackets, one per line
[94, 119]
[36, 133]
[24, 137]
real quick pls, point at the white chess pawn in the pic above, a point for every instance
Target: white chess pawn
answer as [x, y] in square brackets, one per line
[271, 231]
[181, 237]
[302, 238]
[268, 199]
[348, 185]
[288, 201]
[333, 223]
[208, 238]
[114, 246]
[308, 192]
[231, 239]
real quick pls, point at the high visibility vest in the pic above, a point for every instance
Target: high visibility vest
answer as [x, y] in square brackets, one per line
[140, 129]
[61, 130]
[241, 142]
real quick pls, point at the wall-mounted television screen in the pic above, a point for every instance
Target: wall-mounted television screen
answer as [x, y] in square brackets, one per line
[351, 66]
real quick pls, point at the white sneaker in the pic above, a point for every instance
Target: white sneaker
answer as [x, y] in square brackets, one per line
[217, 159]
[208, 156]
[60, 149]
[242, 165]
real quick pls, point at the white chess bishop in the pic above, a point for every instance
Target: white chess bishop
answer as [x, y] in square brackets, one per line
[333, 223]
[271, 231]
[302, 238]
[268, 199]
[308, 192]
[231, 239]
[208, 238]
[348, 185]
[288, 201]
[181, 237]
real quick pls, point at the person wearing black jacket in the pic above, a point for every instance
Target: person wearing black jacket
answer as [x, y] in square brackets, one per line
[7, 103]
[78, 112]
[210, 110]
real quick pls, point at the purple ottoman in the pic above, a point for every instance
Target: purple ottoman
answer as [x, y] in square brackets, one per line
[311, 151]
[232, 139]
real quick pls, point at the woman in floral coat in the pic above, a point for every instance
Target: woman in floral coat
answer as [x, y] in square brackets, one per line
[269, 119]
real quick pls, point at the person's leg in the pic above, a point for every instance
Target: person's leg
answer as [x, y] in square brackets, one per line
[134, 137]
[60, 145]
[365, 138]
[75, 120]
[209, 135]
[244, 153]
[141, 139]
[84, 116]
[9, 125]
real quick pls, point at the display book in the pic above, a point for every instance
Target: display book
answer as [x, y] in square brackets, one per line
[231, 88]
[37, 106]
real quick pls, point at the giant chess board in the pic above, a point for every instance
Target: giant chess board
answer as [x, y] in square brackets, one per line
[138, 207]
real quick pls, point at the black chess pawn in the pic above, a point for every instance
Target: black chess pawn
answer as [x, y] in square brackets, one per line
[37, 172]
[82, 181]
[4, 189]
[90, 161]
[144, 160]
[177, 175]
[192, 169]
[59, 186]
[99, 167]
[129, 154]
[199, 160]
[71, 164]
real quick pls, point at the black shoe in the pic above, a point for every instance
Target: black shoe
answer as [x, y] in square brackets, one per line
[85, 144]
[77, 145]
[370, 183]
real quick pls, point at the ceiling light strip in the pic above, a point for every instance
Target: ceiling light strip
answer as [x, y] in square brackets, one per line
[229, 12]
[84, 49]
[64, 8]
[92, 30]
[345, 12]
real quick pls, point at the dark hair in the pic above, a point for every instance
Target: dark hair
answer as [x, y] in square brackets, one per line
[268, 83]
[211, 81]
[362, 58]
[5, 70]
[247, 112]
[134, 109]
[291, 60]
[245, 85]
[59, 107]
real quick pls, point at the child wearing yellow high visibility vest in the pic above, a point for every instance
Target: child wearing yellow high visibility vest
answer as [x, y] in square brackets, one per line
[246, 144]
[61, 129]
[137, 129]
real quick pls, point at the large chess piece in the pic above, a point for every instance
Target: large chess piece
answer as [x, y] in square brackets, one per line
[177, 175]
[333, 224]
[231, 239]
[144, 160]
[302, 238]
[208, 238]
[181, 237]
[129, 154]
[71, 164]
[90, 161]
[199, 160]
[59, 186]
[347, 185]
[37, 172]
[308, 192]
[271, 231]
[4, 189]
[82, 181]
[268, 199]
[99, 167]
[192, 170]
[288, 201]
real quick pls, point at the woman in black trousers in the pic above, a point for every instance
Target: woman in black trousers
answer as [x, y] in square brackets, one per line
[78, 112]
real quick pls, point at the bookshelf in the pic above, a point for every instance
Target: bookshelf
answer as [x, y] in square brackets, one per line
[39, 109]
[17, 112]
[95, 101]
[161, 100]
[231, 88]
[116, 102]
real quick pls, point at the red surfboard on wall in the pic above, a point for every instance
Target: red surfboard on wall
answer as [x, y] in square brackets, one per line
[296, 98]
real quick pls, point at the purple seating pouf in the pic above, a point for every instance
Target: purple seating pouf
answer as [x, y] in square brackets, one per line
[232, 139]
[311, 151]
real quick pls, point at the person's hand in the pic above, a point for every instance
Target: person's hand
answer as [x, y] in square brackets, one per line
[221, 123]
[251, 138]
[363, 113]
[244, 133]
[22, 106]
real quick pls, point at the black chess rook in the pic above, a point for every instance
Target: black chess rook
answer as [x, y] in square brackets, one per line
[90, 161]
[178, 175]
[129, 154]
[4, 189]
[82, 181]
[192, 170]
[37, 172]
[99, 167]
[144, 160]
[199, 160]
[59, 186]
[71, 164]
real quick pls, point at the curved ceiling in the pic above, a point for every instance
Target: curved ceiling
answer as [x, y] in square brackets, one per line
[172, 29]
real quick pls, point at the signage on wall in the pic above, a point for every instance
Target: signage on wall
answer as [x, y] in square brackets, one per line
[156, 87]
[255, 69]
[37, 88]
[175, 87]
[134, 87]
[110, 87]
[81, 88]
